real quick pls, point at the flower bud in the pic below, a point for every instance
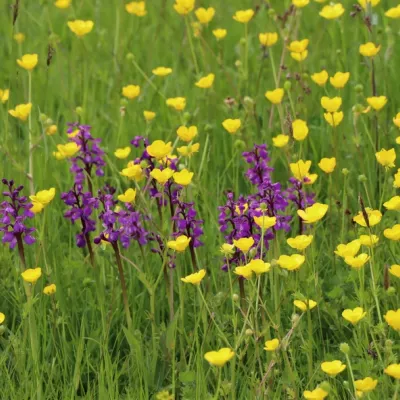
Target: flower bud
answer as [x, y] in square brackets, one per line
[239, 144]
[48, 121]
[271, 12]
[359, 88]
[362, 178]
[345, 171]
[325, 386]
[344, 348]
[252, 252]
[42, 117]
[391, 290]
[249, 332]
[346, 384]
[238, 63]
[305, 76]
[2, 329]
[79, 110]
[235, 297]
[186, 116]
[248, 101]
[243, 41]
[287, 86]
[144, 164]
[263, 207]
[208, 128]
[388, 345]
[123, 102]
[130, 57]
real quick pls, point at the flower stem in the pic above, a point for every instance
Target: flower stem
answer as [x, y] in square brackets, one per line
[30, 146]
[189, 34]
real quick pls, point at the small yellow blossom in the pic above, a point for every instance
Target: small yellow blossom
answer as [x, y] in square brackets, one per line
[205, 15]
[180, 244]
[183, 177]
[393, 12]
[349, 249]
[364, 3]
[133, 172]
[271, 345]
[162, 176]
[137, 8]
[2, 318]
[331, 104]
[300, 242]
[357, 262]
[374, 217]
[219, 33]
[162, 71]
[159, 149]
[393, 203]
[305, 305]
[80, 28]
[243, 16]
[37, 207]
[313, 213]
[339, 80]
[227, 249]
[316, 394]
[131, 91]
[300, 3]
[392, 233]
[292, 262]
[298, 46]
[393, 370]
[300, 171]
[178, 103]
[332, 368]
[122, 153]
[334, 119]
[21, 111]
[19, 37]
[258, 266]
[184, 7]
[128, 197]
[300, 129]
[219, 358]
[393, 319]
[149, 115]
[31, 275]
[188, 151]
[299, 56]
[4, 95]
[67, 150]
[50, 289]
[265, 222]
[280, 140]
[51, 130]
[396, 182]
[44, 196]
[244, 271]
[196, 278]
[206, 82]
[369, 241]
[395, 270]
[386, 158]
[327, 165]
[332, 11]
[275, 96]
[232, 125]
[28, 61]
[369, 49]
[377, 102]
[244, 244]
[366, 385]
[62, 4]
[320, 78]
[268, 39]
[187, 134]
[354, 316]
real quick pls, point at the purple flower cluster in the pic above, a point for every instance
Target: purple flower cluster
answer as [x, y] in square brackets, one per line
[13, 214]
[81, 206]
[89, 158]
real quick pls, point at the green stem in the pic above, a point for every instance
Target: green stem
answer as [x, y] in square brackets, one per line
[216, 397]
[351, 374]
[189, 34]
[30, 146]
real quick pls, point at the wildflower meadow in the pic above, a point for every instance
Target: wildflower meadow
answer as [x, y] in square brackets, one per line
[199, 199]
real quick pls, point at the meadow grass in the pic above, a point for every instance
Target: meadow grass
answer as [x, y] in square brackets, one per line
[79, 342]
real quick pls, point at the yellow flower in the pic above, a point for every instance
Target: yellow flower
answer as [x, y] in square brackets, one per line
[354, 316]
[180, 244]
[332, 11]
[396, 120]
[396, 182]
[187, 134]
[275, 96]
[393, 370]
[300, 171]
[2, 318]
[393, 12]
[227, 249]
[133, 171]
[137, 8]
[206, 82]
[131, 91]
[50, 289]
[149, 115]
[244, 244]
[369, 49]
[179, 103]
[21, 111]
[366, 385]
[205, 15]
[243, 16]
[299, 56]
[37, 207]
[219, 358]
[265, 222]
[395, 270]
[268, 39]
[334, 119]
[331, 104]
[300, 129]
[28, 61]
[245, 272]
[258, 266]
[122, 153]
[327, 165]
[240, 210]
[80, 28]
[19, 37]
[386, 158]
[162, 71]
[349, 249]
[320, 78]
[316, 394]
[219, 33]
[159, 149]
[280, 140]
[184, 7]
[128, 197]
[31, 275]
[298, 46]
[377, 102]
[339, 80]
[66, 150]
[332, 368]
[313, 213]
[162, 176]
[369, 241]
[357, 262]
[392, 233]
[374, 217]
[292, 262]
[300, 242]
[51, 130]
[188, 151]
[393, 319]
[44, 196]
[271, 345]
[393, 203]
[305, 305]
[300, 3]
[62, 4]
[364, 3]
[195, 278]
[183, 177]
[232, 125]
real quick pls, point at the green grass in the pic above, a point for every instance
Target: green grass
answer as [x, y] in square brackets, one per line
[83, 346]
